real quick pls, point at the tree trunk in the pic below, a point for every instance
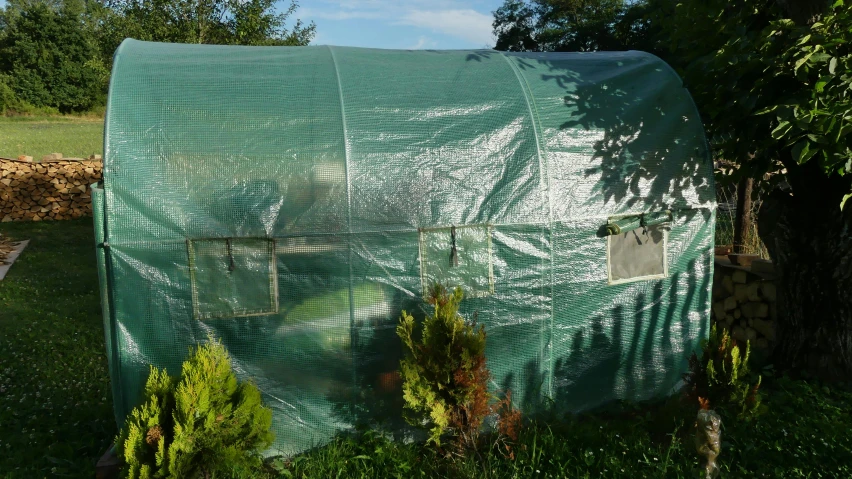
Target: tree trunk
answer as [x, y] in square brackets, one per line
[743, 225]
[810, 242]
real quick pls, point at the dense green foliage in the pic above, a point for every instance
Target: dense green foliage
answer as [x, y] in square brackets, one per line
[572, 25]
[49, 56]
[771, 80]
[445, 379]
[221, 22]
[202, 424]
[721, 378]
[773, 93]
[10, 102]
[57, 54]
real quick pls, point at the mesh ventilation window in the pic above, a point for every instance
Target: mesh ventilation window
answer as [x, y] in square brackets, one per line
[233, 277]
[637, 254]
[474, 270]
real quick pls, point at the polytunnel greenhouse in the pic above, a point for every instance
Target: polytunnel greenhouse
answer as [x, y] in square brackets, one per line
[292, 201]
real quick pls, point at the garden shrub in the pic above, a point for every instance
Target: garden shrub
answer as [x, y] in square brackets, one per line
[445, 378]
[509, 423]
[202, 424]
[721, 378]
[12, 104]
[9, 101]
[7, 95]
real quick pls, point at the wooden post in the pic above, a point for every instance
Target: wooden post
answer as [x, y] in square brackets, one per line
[109, 466]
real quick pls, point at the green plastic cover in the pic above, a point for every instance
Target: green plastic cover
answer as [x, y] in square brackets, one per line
[292, 201]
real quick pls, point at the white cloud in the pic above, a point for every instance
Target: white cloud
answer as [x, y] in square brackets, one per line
[423, 42]
[453, 18]
[311, 14]
[467, 24]
[386, 5]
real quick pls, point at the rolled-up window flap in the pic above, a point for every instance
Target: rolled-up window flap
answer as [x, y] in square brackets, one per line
[627, 223]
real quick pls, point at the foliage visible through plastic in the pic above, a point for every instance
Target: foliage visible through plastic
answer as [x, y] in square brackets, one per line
[201, 424]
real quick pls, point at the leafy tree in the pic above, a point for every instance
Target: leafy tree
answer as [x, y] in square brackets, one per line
[571, 25]
[9, 101]
[515, 27]
[222, 22]
[771, 79]
[49, 55]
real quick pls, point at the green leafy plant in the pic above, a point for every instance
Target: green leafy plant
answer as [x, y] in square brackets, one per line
[445, 379]
[721, 378]
[202, 424]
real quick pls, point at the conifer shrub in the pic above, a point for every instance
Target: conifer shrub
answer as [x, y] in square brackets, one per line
[445, 378]
[199, 425]
[721, 378]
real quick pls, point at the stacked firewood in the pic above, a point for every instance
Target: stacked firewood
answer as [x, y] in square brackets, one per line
[53, 189]
[745, 304]
[6, 248]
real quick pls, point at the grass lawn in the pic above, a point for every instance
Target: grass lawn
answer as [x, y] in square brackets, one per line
[55, 408]
[805, 434]
[74, 137]
[56, 415]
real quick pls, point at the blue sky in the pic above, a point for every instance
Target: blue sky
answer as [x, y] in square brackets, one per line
[401, 24]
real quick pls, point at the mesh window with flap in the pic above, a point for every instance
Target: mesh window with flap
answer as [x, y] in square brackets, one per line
[639, 253]
[472, 269]
[233, 277]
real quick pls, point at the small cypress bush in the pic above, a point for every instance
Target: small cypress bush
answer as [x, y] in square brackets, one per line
[202, 424]
[445, 378]
[721, 378]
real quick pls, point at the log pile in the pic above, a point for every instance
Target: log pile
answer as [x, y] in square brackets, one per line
[6, 248]
[744, 303]
[54, 189]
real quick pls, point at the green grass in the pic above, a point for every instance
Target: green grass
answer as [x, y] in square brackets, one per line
[805, 434]
[55, 409]
[74, 137]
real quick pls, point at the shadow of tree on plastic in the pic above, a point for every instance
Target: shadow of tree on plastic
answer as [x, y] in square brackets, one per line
[647, 156]
[606, 364]
[628, 142]
[635, 349]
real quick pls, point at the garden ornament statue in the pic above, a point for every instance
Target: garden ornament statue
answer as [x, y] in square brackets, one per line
[707, 441]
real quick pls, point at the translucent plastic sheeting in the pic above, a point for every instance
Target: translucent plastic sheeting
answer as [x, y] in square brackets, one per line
[293, 201]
